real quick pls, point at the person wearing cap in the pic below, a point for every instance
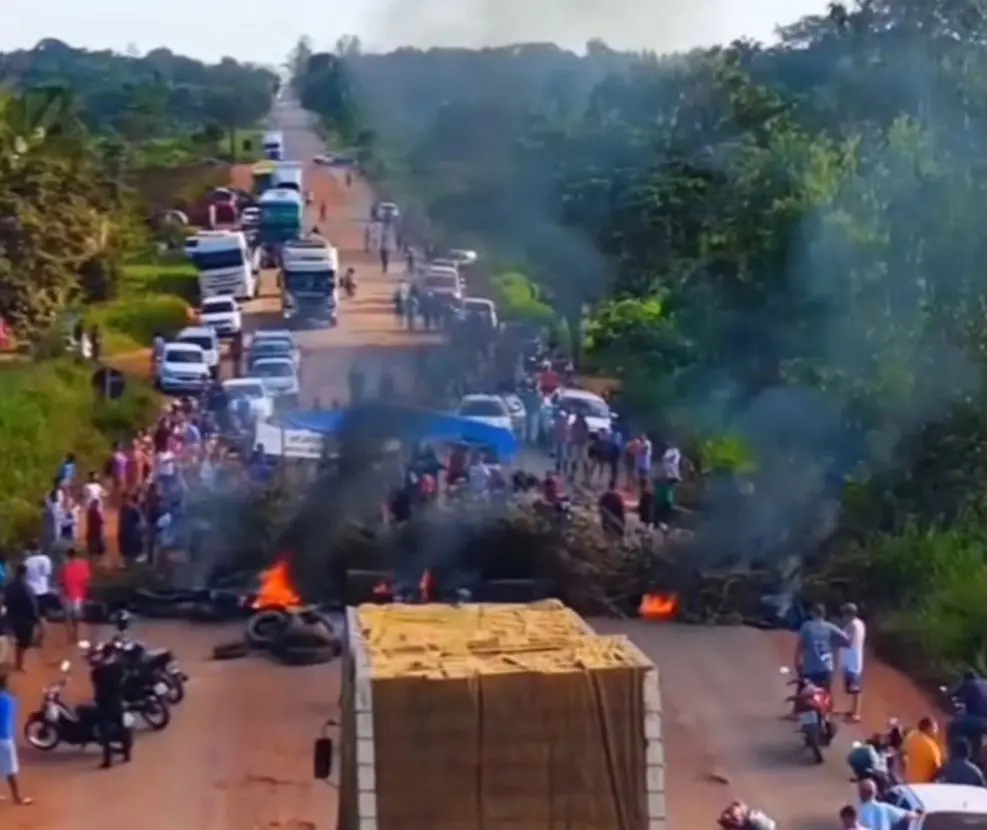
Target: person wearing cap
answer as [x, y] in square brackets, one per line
[852, 658]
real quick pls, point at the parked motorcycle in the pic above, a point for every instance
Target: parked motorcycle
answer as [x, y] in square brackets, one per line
[143, 694]
[56, 722]
[159, 667]
[813, 708]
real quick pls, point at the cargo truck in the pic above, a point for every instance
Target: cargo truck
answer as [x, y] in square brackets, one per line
[225, 264]
[308, 279]
[274, 146]
[282, 212]
[288, 175]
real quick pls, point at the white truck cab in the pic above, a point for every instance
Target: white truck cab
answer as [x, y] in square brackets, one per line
[226, 265]
[274, 145]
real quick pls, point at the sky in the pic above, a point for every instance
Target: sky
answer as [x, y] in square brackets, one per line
[264, 31]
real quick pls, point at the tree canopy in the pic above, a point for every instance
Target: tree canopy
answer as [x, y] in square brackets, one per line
[140, 98]
[780, 243]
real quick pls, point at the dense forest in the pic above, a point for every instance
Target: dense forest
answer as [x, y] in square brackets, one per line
[158, 103]
[781, 250]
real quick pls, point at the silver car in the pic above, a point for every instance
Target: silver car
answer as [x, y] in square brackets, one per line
[278, 375]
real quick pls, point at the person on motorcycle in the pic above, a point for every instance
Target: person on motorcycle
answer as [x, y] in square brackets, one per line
[814, 650]
[738, 816]
[867, 760]
[108, 676]
[921, 753]
[971, 722]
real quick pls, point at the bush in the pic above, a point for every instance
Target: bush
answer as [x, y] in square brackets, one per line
[518, 299]
[130, 323]
[47, 410]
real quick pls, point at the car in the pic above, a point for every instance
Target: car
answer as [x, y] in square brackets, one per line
[486, 409]
[575, 402]
[462, 257]
[483, 308]
[275, 347]
[279, 376]
[205, 338]
[264, 334]
[221, 314]
[183, 369]
[254, 391]
[519, 414]
[943, 806]
[442, 262]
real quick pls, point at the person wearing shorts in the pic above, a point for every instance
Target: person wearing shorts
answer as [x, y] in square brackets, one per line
[76, 575]
[9, 766]
[852, 659]
[814, 648]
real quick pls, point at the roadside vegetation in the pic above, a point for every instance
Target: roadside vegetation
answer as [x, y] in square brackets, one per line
[782, 252]
[79, 241]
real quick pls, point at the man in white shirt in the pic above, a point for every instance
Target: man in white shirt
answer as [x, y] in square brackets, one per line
[479, 477]
[671, 464]
[38, 578]
[92, 490]
[852, 658]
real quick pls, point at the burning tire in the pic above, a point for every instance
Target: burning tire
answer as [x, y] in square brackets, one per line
[265, 627]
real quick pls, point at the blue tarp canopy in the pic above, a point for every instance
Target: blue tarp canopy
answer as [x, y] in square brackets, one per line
[407, 424]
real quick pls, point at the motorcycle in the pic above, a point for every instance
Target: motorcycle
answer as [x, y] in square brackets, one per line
[881, 763]
[813, 708]
[159, 667]
[143, 694]
[56, 722]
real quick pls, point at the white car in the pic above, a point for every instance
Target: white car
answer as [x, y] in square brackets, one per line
[222, 315]
[575, 402]
[275, 347]
[462, 257]
[206, 339]
[942, 805]
[183, 369]
[255, 393]
[486, 409]
[278, 375]
[483, 308]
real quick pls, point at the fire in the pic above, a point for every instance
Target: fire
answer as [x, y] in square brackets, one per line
[659, 606]
[276, 590]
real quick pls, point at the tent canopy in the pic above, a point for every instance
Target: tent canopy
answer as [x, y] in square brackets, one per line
[406, 424]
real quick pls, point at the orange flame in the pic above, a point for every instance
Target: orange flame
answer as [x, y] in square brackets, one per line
[659, 606]
[276, 589]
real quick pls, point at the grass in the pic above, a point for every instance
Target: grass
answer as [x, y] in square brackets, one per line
[46, 410]
[154, 297]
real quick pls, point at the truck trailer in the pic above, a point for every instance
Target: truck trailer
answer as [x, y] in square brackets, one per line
[495, 716]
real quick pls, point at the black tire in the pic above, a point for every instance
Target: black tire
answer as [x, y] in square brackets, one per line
[264, 628]
[155, 713]
[812, 742]
[40, 734]
[307, 655]
[230, 651]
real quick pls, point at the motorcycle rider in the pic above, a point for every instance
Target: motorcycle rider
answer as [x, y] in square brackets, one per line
[971, 723]
[738, 816]
[817, 640]
[108, 675]
[869, 760]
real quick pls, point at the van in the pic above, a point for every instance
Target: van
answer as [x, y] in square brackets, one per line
[443, 282]
[226, 265]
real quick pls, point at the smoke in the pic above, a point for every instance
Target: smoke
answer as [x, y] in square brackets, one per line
[623, 24]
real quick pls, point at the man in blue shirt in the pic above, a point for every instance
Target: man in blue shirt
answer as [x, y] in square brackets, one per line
[9, 767]
[971, 723]
[876, 815]
[814, 652]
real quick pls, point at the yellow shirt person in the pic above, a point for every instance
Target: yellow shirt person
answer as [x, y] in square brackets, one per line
[923, 755]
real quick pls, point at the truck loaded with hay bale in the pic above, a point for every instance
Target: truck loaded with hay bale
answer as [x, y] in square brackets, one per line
[494, 716]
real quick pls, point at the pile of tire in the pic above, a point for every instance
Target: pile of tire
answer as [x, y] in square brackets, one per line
[302, 637]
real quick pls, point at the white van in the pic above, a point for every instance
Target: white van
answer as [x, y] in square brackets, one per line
[225, 264]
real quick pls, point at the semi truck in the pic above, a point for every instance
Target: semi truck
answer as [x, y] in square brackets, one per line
[225, 264]
[274, 145]
[308, 279]
[289, 175]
